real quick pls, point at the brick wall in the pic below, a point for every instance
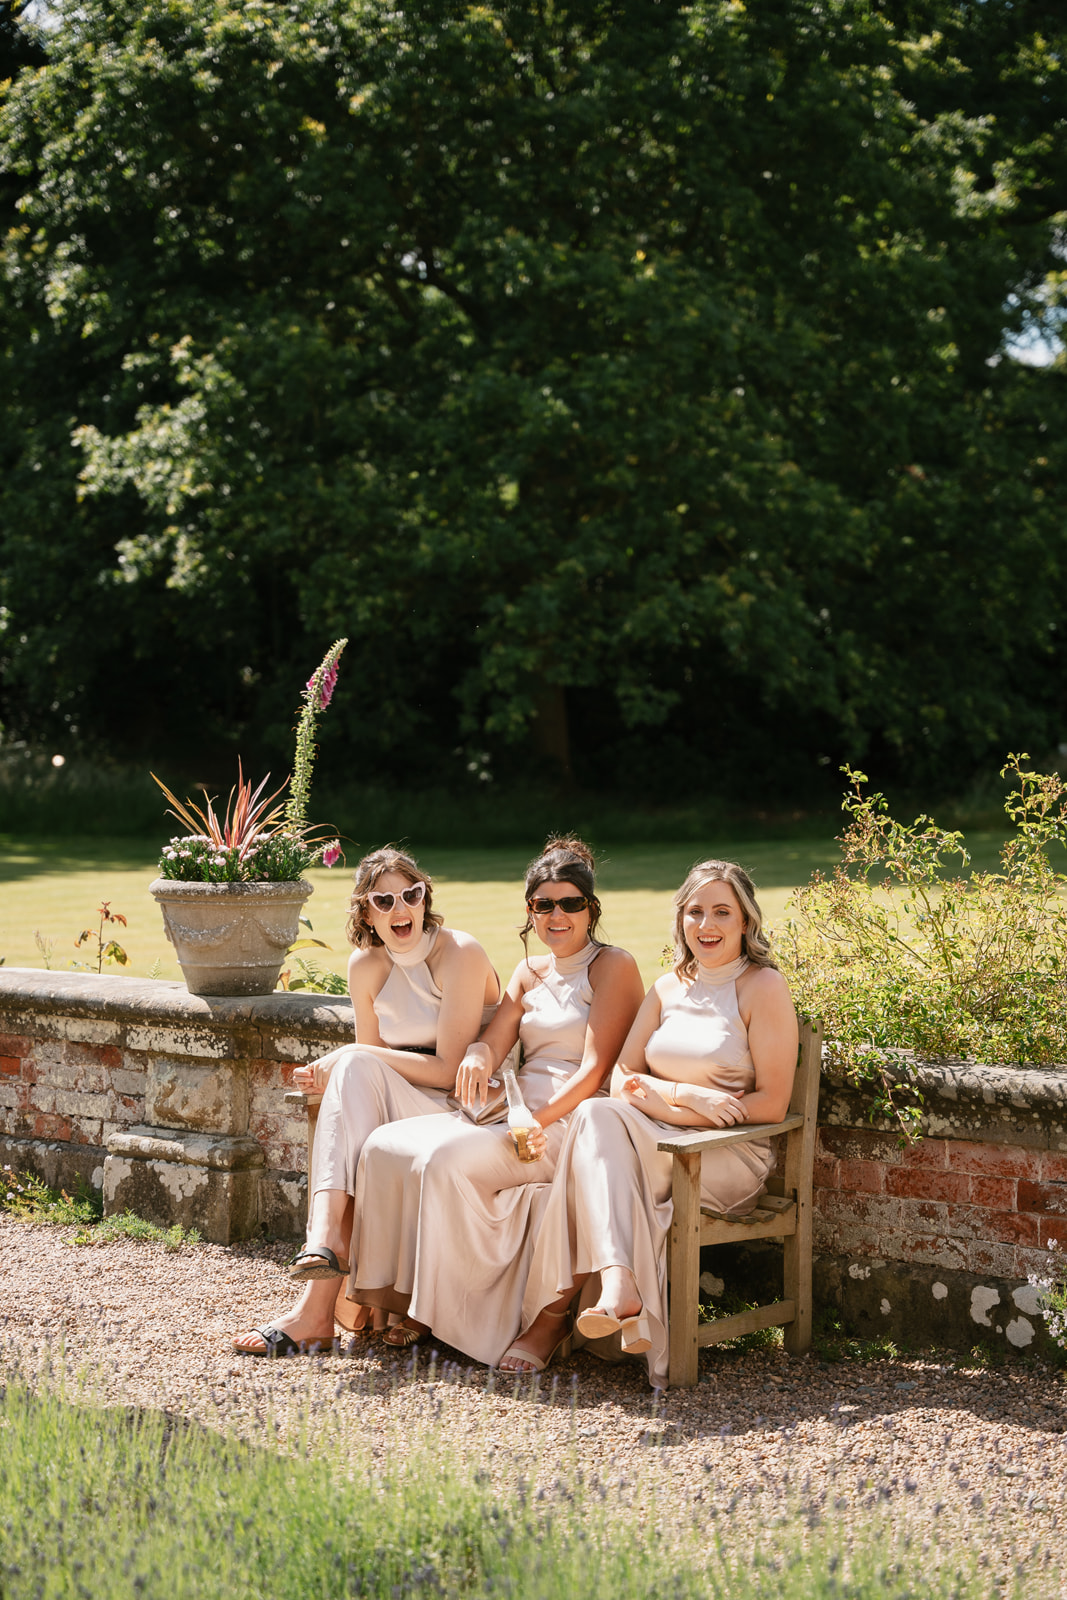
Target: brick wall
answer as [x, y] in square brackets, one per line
[933, 1241]
[924, 1242]
[84, 1059]
[974, 1207]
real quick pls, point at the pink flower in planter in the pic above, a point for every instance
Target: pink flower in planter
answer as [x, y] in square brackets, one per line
[331, 853]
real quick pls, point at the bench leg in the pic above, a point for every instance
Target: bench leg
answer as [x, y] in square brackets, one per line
[796, 1284]
[313, 1117]
[685, 1271]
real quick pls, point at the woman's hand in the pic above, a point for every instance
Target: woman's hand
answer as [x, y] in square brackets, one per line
[536, 1142]
[679, 1104]
[472, 1078]
[313, 1078]
[636, 1091]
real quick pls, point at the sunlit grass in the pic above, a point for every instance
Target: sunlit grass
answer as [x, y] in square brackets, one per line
[56, 886]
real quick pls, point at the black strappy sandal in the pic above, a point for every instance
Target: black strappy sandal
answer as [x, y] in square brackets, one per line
[315, 1261]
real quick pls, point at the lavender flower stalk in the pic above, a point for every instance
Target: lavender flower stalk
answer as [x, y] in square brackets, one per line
[317, 696]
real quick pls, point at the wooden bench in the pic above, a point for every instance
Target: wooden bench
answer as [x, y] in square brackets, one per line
[783, 1212]
[311, 1104]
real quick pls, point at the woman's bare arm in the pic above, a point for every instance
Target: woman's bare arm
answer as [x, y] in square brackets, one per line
[616, 999]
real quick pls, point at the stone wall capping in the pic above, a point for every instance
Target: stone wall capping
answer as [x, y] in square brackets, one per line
[27, 990]
[962, 1099]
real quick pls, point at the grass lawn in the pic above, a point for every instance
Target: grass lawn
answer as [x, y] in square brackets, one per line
[55, 887]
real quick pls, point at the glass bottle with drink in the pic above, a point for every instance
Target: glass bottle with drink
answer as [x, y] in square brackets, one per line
[521, 1120]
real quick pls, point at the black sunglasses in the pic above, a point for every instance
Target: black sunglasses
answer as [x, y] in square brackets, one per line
[570, 903]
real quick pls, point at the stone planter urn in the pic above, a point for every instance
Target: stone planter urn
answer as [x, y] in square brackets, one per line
[231, 938]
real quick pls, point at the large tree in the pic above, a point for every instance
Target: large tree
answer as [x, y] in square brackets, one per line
[638, 365]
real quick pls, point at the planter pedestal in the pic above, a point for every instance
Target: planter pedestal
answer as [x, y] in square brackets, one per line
[231, 938]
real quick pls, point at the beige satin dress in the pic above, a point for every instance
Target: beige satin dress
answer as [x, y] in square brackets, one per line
[363, 1091]
[443, 1227]
[610, 1202]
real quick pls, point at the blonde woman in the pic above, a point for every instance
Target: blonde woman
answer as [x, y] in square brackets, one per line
[420, 993]
[714, 1044]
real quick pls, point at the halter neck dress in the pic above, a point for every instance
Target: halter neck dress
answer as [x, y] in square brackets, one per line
[610, 1203]
[445, 1210]
[363, 1092]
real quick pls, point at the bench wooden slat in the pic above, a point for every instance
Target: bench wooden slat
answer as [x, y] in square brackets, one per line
[769, 1225]
[752, 1321]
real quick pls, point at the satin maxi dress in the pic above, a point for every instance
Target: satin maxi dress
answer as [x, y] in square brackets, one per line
[445, 1210]
[610, 1202]
[364, 1092]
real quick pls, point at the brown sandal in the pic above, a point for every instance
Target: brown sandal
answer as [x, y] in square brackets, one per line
[401, 1336]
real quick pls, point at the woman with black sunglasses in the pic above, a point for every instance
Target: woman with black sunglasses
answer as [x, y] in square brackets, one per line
[443, 1210]
[420, 992]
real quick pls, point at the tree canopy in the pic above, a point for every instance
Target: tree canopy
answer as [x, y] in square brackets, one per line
[631, 381]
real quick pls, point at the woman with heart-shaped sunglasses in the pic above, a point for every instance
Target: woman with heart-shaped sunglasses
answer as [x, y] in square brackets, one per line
[420, 993]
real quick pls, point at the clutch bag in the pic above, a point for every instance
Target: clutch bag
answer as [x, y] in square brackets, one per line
[494, 1110]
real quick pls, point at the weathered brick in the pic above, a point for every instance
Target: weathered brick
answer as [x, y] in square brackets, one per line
[81, 1105]
[996, 1259]
[86, 1130]
[994, 1160]
[181, 1041]
[824, 1173]
[824, 1236]
[1000, 1227]
[864, 1177]
[932, 1250]
[996, 1193]
[919, 1183]
[925, 1216]
[1043, 1197]
[82, 1030]
[128, 1079]
[47, 1126]
[106, 1056]
[16, 1044]
[75, 1077]
[926, 1153]
[1029, 1262]
[10, 1066]
[875, 1209]
[9, 1092]
[1052, 1230]
[1053, 1166]
[860, 1239]
[859, 1144]
[43, 1097]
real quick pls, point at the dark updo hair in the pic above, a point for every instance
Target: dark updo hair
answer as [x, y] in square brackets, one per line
[563, 860]
[368, 872]
[754, 943]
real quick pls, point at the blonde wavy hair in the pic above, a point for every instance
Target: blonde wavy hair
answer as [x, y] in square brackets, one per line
[370, 869]
[754, 943]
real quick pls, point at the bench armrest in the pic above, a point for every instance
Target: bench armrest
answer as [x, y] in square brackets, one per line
[298, 1097]
[709, 1138]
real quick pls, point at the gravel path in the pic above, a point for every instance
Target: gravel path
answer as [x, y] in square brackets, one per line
[981, 1452]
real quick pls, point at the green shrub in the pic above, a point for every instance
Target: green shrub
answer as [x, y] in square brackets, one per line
[896, 953]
